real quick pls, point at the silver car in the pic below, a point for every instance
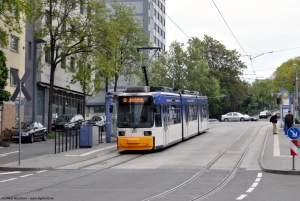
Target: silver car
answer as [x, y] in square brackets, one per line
[235, 116]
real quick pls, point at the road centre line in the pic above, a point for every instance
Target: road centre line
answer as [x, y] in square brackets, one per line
[249, 190]
[27, 175]
[259, 174]
[8, 180]
[41, 171]
[257, 179]
[11, 172]
[254, 184]
[241, 197]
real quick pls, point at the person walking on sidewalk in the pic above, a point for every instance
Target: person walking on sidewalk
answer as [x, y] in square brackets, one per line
[288, 120]
[273, 119]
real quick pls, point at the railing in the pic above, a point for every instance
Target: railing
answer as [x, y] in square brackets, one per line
[66, 139]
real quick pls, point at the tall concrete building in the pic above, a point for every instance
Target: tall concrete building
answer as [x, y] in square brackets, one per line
[152, 15]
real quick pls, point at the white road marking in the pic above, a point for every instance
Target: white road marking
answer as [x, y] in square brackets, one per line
[258, 179]
[241, 197]
[259, 175]
[71, 155]
[27, 175]
[97, 150]
[41, 171]
[5, 154]
[8, 180]
[11, 172]
[276, 146]
[249, 190]
[254, 184]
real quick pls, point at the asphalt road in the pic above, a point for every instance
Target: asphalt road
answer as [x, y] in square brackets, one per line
[28, 150]
[130, 176]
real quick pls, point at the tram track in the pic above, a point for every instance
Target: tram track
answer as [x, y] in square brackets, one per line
[70, 171]
[207, 167]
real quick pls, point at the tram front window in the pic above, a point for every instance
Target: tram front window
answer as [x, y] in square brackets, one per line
[135, 112]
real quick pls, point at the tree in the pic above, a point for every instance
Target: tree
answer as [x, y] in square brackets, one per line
[285, 75]
[226, 67]
[4, 95]
[125, 55]
[12, 14]
[67, 26]
[157, 71]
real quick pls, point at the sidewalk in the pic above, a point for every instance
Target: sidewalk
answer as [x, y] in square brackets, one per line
[53, 161]
[276, 157]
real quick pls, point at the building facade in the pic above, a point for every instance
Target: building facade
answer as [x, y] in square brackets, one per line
[15, 55]
[152, 15]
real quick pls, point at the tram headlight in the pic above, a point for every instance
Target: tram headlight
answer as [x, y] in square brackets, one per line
[121, 133]
[147, 133]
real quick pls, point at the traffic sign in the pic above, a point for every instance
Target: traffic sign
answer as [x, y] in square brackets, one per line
[23, 101]
[255, 104]
[293, 133]
[24, 78]
[294, 147]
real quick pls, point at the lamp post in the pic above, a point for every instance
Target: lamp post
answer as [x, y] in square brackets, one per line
[34, 101]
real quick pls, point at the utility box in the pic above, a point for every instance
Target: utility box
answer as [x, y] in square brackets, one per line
[96, 135]
[86, 135]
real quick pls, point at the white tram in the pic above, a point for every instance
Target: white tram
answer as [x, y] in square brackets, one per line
[155, 117]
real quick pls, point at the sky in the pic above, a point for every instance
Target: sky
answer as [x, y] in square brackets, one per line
[260, 27]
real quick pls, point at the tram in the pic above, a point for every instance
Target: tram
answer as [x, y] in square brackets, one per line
[151, 118]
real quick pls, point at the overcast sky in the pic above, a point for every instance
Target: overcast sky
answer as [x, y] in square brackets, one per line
[260, 26]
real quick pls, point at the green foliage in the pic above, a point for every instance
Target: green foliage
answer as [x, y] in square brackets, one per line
[285, 75]
[130, 35]
[12, 14]
[4, 95]
[6, 134]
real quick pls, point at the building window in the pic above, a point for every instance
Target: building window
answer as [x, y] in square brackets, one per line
[72, 62]
[29, 50]
[12, 79]
[14, 43]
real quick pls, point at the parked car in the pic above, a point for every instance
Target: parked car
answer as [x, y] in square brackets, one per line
[68, 122]
[234, 116]
[213, 120]
[263, 114]
[29, 131]
[98, 121]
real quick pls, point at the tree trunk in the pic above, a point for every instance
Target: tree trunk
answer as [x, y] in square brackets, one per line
[52, 72]
[84, 102]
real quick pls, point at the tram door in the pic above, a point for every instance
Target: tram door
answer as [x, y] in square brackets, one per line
[165, 123]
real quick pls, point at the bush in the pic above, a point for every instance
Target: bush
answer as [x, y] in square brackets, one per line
[6, 134]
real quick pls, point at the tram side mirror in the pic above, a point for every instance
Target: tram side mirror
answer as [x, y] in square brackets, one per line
[111, 109]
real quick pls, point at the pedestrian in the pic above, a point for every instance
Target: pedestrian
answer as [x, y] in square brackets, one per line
[273, 119]
[288, 120]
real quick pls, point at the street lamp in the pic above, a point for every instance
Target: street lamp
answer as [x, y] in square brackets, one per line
[35, 42]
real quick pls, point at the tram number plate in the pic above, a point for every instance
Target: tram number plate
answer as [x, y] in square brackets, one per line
[133, 131]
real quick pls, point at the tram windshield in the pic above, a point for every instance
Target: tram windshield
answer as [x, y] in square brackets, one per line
[135, 112]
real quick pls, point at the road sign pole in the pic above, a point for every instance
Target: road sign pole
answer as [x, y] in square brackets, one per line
[20, 85]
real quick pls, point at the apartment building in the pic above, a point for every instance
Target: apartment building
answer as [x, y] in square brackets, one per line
[152, 15]
[15, 55]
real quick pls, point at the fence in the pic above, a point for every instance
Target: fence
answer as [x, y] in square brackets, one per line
[67, 139]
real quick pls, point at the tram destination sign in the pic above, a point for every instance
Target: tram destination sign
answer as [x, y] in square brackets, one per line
[134, 99]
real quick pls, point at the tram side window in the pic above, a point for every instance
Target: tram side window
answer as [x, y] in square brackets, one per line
[165, 115]
[204, 111]
[157, 116]
[177, 117]
[193, 112]
[187, 113]
[171, 114]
